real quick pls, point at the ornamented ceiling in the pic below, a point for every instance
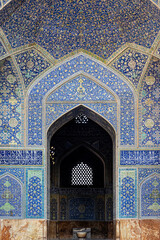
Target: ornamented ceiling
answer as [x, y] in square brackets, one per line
[124, 34]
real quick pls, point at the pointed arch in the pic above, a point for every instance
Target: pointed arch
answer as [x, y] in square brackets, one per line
[150, 196]
[95, 69]
[10, 196]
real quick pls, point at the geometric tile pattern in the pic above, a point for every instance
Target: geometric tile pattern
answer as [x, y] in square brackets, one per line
[96, 26]
[81, 209]
[31, 65]
[145, 172]
[100, 213]
[131, 64]
[67, 69]
[10, 105]
[81, 88]
[143, 157]
[63, 208]
[127, 193]
[53, 209]
[106, 110]
[2, 49]
[21, 157]
[10, 197]
[150, 197]
[17, 172]
[157, 2]
[3, 3]
[35, 193]
[109, 207]
[149, 103]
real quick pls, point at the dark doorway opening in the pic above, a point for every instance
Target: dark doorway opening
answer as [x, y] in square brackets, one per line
[81, 175]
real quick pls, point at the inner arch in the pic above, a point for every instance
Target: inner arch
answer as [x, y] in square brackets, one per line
[83, 145]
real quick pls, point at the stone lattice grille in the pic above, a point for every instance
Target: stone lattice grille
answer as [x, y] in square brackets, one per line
[82, 174]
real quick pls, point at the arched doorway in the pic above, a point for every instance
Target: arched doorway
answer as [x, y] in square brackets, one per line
[81, 146]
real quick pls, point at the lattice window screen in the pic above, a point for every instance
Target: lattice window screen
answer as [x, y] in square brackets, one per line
[82, 174]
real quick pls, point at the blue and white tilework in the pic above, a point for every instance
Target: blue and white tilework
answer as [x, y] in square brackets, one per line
[10, 196]
[142, 157]
[149, 106]
[150, 197]
[127, 193]
[109, 208]
[81, 209]
[100, 27]
[31, 64]
[21, 157]
[54, 209]
[131, 64]
[81, 88]
[63, 208]
[106, 110]
[35, 193]
[2, 49]
[3, 3]
[19, 173]
[145, 172]
[157, 2]
[10, 105]
[101, 73]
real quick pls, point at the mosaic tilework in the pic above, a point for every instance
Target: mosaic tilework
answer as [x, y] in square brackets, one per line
[107, 110]
[81, 88]
[53, 207]
[21, 157]
[127, 193]
[97, 26]
[143, 157]
[63, 208]
[157, 2]
[81, 209]
[100, 213]
[109, 207]
[31, 64]
[150, 197]
[149, 106]
[17, 172]
[10, 105]
[35, 193]
[131, 64]
[3, 3]
[145, 172]
[2, 49]
[81, 63]
[10, 197]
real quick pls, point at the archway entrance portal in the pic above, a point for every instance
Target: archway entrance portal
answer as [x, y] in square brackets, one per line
[81, 175]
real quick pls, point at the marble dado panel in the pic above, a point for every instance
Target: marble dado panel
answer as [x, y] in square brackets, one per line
[23, 229]
[139, 229]
[142, 157]
[21, 157]
[129, 229]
